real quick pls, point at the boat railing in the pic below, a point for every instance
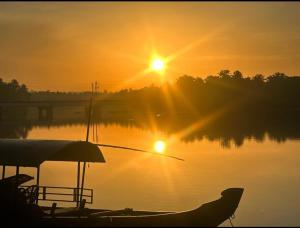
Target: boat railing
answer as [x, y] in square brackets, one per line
[63, 194]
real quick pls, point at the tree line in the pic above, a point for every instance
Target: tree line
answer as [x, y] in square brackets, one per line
[10, 91]
[262, 104]
[189, 94]
[197, 95]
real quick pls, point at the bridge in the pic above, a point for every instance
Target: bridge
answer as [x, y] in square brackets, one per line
[45, 107]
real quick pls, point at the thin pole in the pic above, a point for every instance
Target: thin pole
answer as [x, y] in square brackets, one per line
[87, 139]
[97, 93]
[17, 176]
[93, 125]
[96, 132]
[17, 170]
[38, 182]
[78, 184]
[3, 172]
[38, 176]
[92, 118]
[16, 187]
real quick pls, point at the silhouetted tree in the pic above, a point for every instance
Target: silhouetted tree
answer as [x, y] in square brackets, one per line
[259, 78]
[224, 74]
[237, 75]
[13, 91]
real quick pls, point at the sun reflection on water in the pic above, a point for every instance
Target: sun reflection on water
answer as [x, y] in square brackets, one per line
[159, 146]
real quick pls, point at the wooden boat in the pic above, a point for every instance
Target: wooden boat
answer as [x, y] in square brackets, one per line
[19, 206]
[210, 214]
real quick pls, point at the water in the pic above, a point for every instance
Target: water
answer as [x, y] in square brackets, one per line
[267, 169]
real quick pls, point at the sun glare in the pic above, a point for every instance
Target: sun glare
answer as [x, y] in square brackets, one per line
[157, 64]
[159, 146]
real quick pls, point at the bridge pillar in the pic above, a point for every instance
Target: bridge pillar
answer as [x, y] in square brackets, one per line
[45, 112]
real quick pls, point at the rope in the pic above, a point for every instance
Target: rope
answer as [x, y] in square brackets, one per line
[231, 217]
[133, 149]
[231, 222]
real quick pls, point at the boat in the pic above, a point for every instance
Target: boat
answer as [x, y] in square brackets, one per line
[210, 214]
[19, 204]
[17, 210]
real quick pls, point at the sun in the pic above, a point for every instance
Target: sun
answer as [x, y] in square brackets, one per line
[157, 64]
[159, 146]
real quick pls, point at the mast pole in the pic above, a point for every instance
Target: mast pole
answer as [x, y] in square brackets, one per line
[97, 95]
[38, 182]
[87, 139]
[3, 171]
[78, 183]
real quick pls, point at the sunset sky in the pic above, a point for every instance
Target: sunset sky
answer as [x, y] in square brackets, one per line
[66, 46]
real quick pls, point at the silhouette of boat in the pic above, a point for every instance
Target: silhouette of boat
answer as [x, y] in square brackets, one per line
[210, 214]
[19, 204]
[18, 210]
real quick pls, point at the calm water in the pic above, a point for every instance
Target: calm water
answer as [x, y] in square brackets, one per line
[268, 170]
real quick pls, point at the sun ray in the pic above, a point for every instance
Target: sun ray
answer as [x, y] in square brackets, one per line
[132, 79]
[159, 64]
[168, 176]
[196, 43]
[204, 121]
[186, 101]
[167, 95]
[127, 165]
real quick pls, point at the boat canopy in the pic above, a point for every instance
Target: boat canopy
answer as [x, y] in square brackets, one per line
[32, 153]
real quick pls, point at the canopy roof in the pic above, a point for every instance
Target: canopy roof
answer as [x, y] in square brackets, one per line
[16, 179]
[32, 153]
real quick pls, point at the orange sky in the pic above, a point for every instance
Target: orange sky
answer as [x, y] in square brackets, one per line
[66, 46]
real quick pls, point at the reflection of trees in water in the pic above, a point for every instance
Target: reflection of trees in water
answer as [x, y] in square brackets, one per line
[21, 128]
[229, 130]
[14, 130]
[235, 129]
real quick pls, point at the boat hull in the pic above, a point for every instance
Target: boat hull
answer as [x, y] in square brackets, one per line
[210, 214]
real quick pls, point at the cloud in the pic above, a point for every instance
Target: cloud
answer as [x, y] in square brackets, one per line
[24, 39]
